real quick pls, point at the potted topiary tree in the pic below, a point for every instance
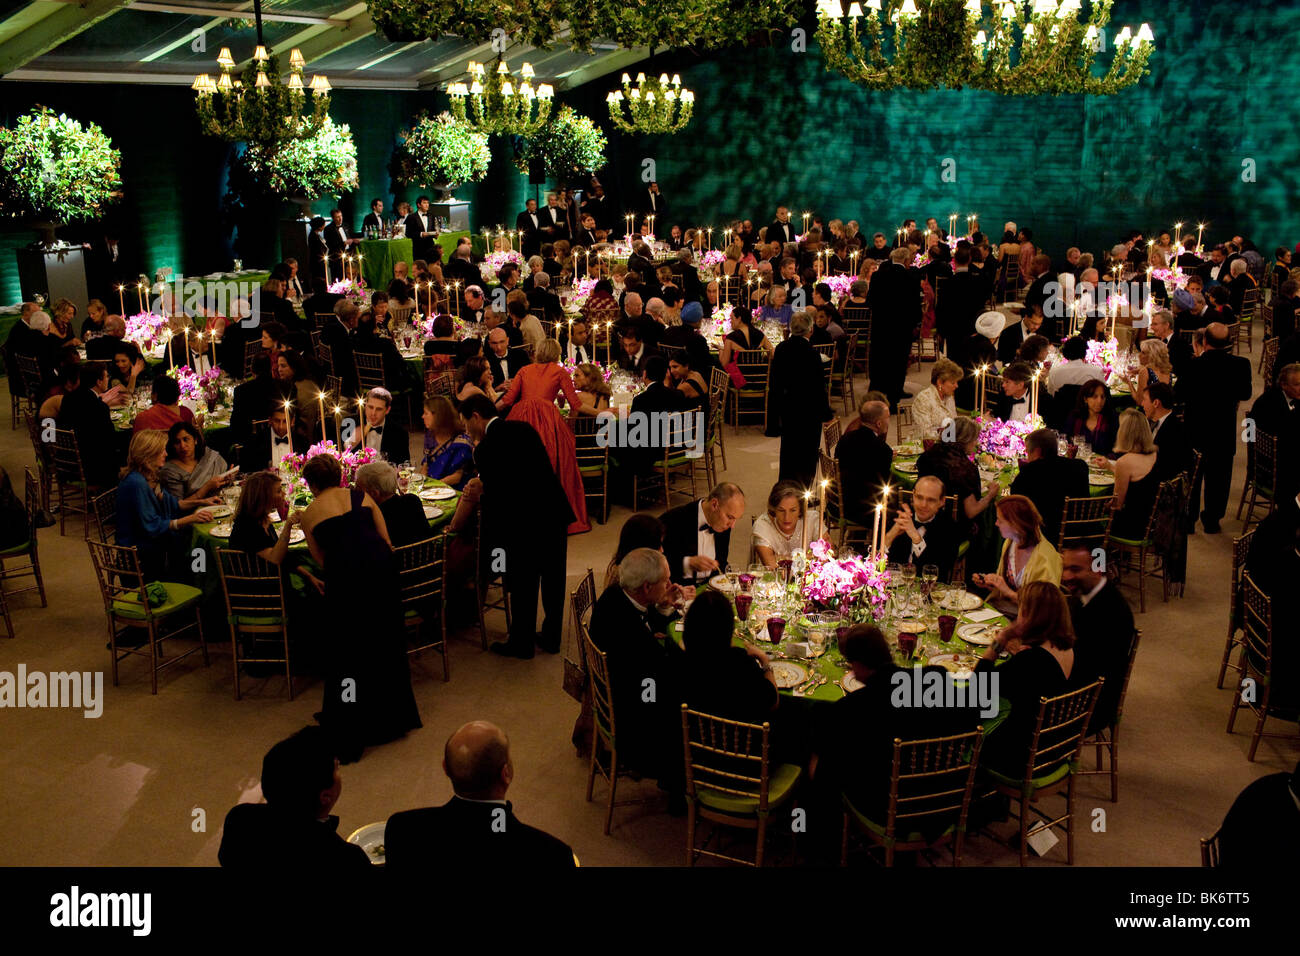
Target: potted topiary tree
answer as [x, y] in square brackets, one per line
[301, 170]
[54, 171]
[569, 146]
[441, 152]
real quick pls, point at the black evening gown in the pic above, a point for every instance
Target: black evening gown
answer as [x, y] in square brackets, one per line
[366, 641]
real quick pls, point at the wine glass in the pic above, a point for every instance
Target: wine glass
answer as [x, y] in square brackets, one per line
[907, 574]
[929, 576]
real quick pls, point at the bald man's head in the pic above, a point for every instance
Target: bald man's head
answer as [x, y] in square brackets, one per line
[1217, 336]
[477, 761]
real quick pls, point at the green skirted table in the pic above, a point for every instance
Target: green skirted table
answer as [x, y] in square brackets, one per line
[449, 240]
[378, 256]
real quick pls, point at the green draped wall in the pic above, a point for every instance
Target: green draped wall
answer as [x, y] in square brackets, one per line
[771, 125]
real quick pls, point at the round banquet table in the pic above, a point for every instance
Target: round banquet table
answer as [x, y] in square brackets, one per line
[378, 256]
[905, 456]
[215, 423]
[830, 667]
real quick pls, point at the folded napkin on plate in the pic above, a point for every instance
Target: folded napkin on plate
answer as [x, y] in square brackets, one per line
[983, 614]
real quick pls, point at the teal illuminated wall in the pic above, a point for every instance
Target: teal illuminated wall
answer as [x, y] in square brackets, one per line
[772, 125]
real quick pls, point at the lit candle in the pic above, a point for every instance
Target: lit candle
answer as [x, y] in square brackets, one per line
[1200, 231]
[212, 341]
[456, 288]
[326, 260]
[575, 269]
[171, 356]
[806, 217]
[952, 224]
[338, 423]
[875, 529]
[1178, 232]
[139, 293]
[650, 224]
[821, 516]
[807, 496]
[430, 287]
[121, 304]
[710, 231]
[320, 398]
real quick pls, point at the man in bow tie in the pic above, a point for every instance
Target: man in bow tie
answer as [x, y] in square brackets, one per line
[1277, 412]
[388, 438]
[268, 447]
[338, 241]
[697, 536]
[924, 533]
[1013, 404]
[530, 223]
[421, 231]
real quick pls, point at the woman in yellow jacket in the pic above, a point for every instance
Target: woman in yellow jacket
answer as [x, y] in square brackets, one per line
[1026, 555]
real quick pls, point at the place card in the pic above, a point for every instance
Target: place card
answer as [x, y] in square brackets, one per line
[983, 614]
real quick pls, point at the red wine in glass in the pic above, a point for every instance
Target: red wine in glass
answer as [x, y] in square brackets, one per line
[775, 629]
[907, 643]
[947, 623]
[746, 583]
[743, 601]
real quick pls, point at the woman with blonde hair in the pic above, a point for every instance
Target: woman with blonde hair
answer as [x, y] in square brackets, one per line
[1136, 481]
[1153, 355]
[149, 518]
[936, 404]
[593, 390]
[531, 398]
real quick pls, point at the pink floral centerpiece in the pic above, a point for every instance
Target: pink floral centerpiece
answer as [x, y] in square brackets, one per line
[493, 262]
[714, 257]
[198, 386]
[1173, 276]
[146, 330]
[582, 290]
[840, 284]
[849, 585]
[354, 289]
[1005, 440]
[295, 487]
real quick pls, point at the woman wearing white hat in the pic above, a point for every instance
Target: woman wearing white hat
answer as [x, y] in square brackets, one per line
[981, 351]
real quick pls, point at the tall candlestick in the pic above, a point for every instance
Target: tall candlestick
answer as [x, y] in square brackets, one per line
[320, 398]
[1200, 231]
[121, 304]
[1178, 233]
[171, 356]
[952, 224]
[327, 269]
[821, 510]
[650, 224]
[807, 495]
[139, 294]
[212, 341]
[338, 423]
[710, 231]
[806, 217]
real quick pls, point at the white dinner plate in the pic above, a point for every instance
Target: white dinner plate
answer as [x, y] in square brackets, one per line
[960, 666]
[961, 601]
[850, 683]
[221, 529]
[432, 511]
[297, 535]
[906, 467]
[788, 674]
[907, 449]
[720, 582]
[1100, 479]
[371, 839]
[978, 634]
[437, 493]
[221, 511]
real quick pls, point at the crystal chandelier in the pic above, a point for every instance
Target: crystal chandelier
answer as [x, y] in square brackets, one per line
[655, 106]
[258, 108]
[500, 104]
[1015, 48]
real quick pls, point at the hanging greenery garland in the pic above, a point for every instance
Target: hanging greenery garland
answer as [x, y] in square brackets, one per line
[322, 165]
[52, 169]
[567, 146]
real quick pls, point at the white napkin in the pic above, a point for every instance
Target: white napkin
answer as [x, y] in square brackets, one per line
[983, 614]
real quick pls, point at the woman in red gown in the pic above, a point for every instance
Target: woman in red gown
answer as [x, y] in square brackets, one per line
[531, 399]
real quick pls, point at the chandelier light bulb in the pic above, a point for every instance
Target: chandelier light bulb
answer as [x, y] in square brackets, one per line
[527, 72]
[626, 79]
[262, 80]
[223, 83]
[503, 69]
[295, 59]
[871, 5]
[224, 59]
[260, 54]
[677, 80]
[1122, 38]
[295, 82]
[476, 88]
[908, 9]
[663, 79]
[507, 88]
[640, 77]
[974, 7]
[545, 91]
[1144, 34]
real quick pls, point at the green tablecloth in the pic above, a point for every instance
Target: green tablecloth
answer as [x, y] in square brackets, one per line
[448, 241]
[907, 479]
[378, 256]
[214, 423]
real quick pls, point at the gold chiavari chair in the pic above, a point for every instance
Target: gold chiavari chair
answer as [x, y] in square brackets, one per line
[831, 435]
[841, 379]
[1246, 321]
[70, 478]
[682, 448]
[400, 314]
[730, 780]
[26, 549]
[422, 582]
[1210, 849]
[370, 370]
[485, 580]
[439, 383]
[836, 521]
[126, 604]
[1240, 551]
[43, 456]
[719, 384]
[581, 601]
[1085, 519]
[1268, 359]
[827, 353]
[1139, 554]
[857, 319]
[750, 401]
[1052, 762]
[605, 720]
[593, 460]
[251, 351]
[931, 782]
[33, 386]
[1262, 480]
[904, 427]
[255, 609]
[1256, 686]
[1106, 737]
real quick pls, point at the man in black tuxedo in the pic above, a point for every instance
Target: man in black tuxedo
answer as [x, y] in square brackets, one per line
[782, 230]
[1285, 304]
[460, 269]
[388, 438]
[865, 459]
[530, 223]
[1277, 412]
[338, 241]
[526, 516]
[641, 260]
[1188, 260]
[879, 249]
[895, 301]
[962, 302]
[294, 828]
[503, 361]
[1013, 404]
[541, 297]
[1043, 298]
[687, 275]
[554, 221]
[1270, 560]
[1180, 350]
[86, 414]
[798, 406]
[1047, 480]
[1103, 628]
[274, 307]
[636, 352]
[697, 536]
[339, 336]
[421, 231]
[1173, 447]
[654, 204]
[657, 397]
[924, 533]
[575, 343]
[318, 252]
[629, 624]
[1014, 335]
[1215, 383]
[586, 236]
[375, 218]
[476, 830]
[403, 514]
[265, 448]
[596, 205]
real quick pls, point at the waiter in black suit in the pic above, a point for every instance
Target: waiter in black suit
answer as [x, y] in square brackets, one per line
[554, 220]
[1047, 480]
[697, 536]
[596, 204]
[338, 242]
[530, 223]
[654, 204]
[477, 828]
[865, 459]
[420, 230]
[782, 230]
[1103, 629]
[1173, 447]
[895, 302]
[317, 250]
[797, 402]
[375, 218]
[962, 302]
[1214, 384]
[924, 533]
[526, 517]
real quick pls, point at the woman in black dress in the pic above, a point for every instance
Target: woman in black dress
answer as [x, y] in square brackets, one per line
[743, 335]
[368, 697]
[1041, 644]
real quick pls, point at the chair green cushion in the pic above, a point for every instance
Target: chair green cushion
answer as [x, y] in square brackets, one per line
[1133, 542]
[1035, 783]
[179, 597]
[962, 549]
[252, 620]
[780, 788]
[16, 550]
[879, 829]
[593, 469]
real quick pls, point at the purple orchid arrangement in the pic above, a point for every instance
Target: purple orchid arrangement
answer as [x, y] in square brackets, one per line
[849, 584]
[1005, 439]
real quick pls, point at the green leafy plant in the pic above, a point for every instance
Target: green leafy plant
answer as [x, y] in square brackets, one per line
[569, 145]
[322, 165]
[55, 170]
[442, 149]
